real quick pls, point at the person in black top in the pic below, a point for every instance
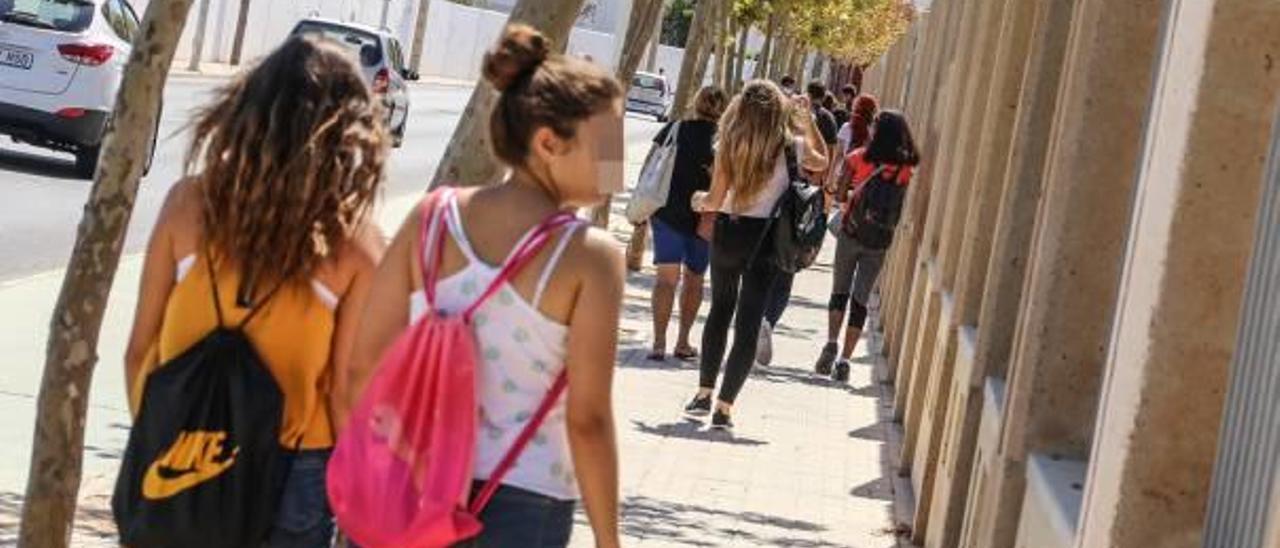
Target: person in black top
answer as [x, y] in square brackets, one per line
[676, 242]
[780, 292]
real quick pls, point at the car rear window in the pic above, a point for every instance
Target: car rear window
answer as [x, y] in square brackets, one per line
[354, 39]
[59, 15]
[647, 82]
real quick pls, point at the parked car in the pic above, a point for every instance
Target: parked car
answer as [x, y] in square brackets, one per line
[381, 59]
[61, 62]
[650, 95]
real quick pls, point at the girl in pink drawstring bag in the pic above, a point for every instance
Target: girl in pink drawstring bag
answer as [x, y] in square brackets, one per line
[478, 408]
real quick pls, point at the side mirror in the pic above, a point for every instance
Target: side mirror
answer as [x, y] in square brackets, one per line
[410, 75]
[370, 55]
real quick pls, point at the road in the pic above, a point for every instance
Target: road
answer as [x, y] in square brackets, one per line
[42, 200]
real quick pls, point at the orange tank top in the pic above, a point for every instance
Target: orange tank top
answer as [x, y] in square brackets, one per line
[293, 333]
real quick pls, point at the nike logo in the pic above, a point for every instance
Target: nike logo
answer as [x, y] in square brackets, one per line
[196, 457]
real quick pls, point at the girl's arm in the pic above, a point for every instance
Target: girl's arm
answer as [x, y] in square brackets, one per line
[158, 278]
[364, 252]
[592, 351]
[714, 197]
[815, 149]
[385, 314]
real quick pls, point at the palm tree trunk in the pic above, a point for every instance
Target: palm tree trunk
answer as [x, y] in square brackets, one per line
[242, 21]
[467, 160]
[419, 35]
[53, 481]
[651, 64]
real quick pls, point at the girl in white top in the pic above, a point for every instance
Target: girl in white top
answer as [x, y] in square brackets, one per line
[558, 314]
[749, 176]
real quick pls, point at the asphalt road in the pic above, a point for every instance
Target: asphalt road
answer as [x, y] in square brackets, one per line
[41, 200]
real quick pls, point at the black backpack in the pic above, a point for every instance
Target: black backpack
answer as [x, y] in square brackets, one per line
[799, 221]
[203, 466]
[876, 210]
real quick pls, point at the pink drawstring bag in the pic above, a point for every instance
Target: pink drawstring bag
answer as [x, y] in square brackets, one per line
[401, 472]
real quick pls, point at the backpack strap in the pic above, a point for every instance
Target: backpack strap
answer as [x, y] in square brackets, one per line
[524, 254]
[522, 441]
[217, 301]
[431, 242]
[793, 163]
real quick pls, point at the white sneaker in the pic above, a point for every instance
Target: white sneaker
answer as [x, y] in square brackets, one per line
[764, 346]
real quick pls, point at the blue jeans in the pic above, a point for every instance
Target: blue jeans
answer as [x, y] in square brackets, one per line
[304, 519]
[516, 518]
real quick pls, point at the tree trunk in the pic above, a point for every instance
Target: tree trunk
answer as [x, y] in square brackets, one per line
[242, 21]
[53, 480]
[762, 60]
[782, 59]
[740, 59]
[815, 72]
[651, 64]
[419, 35]
[197, 44]
[696, 51]
[799, 53]
[468, 160]
[718, 46]
[645, 15]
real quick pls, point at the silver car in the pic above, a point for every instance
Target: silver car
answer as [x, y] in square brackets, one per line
[650, 95]
[381, 59]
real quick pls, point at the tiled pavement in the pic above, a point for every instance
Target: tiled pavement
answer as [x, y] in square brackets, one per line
[808, 463]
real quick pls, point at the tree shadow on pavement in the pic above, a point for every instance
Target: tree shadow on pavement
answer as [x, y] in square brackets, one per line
[683, 524]
[692, 429]
[94, 522]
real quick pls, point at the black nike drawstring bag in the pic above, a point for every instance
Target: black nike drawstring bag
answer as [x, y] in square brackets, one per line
[203, 466]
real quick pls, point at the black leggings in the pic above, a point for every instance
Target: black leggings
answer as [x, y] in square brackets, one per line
[737, 284]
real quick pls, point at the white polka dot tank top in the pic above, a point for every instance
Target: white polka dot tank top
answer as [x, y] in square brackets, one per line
[521, 351]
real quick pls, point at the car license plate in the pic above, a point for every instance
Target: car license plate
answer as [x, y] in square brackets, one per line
[16, 58]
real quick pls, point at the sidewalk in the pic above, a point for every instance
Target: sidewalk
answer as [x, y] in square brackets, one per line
[808, 464]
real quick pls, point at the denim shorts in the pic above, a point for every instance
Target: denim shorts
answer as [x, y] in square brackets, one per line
[516, 518]
[304, 519]
[670, 246]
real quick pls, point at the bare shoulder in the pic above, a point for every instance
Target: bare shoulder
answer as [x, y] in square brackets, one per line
[594, 255]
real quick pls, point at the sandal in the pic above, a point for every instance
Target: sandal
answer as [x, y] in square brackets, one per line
[656, 356]
[685, 354]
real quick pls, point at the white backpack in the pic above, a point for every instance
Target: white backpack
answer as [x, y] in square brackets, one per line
[654, 184]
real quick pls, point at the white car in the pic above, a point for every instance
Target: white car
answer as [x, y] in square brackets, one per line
[650, 95]
[381, 59]
[61, 62]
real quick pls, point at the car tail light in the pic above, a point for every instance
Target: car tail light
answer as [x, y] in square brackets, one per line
[71, 113]
[381, 81]
[86, 54]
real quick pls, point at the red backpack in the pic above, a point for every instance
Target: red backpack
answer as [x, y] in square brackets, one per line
[401, 472]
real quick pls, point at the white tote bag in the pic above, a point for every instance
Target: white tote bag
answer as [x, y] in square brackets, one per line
[654, 183]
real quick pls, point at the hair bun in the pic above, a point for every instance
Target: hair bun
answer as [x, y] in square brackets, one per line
[519, 51]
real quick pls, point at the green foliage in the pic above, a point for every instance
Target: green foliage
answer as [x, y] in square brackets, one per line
[848, 30]
[676, 23]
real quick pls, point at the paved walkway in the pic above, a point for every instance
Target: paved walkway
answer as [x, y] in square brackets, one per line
[808, 463]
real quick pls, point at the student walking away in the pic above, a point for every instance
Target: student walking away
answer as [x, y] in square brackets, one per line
[880, 173]
[803, 122]
[535, 292]
[838, 110]
[257, 268]
[677, 245]
[853, 135]
[750, 175]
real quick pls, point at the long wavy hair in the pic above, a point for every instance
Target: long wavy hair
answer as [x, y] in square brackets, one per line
[288, 159]
[891, 141]
[753, 132]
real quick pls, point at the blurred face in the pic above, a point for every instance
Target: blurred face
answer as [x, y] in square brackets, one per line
[588, 167]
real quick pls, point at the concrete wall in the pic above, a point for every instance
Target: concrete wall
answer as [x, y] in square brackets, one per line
[1063, 301]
